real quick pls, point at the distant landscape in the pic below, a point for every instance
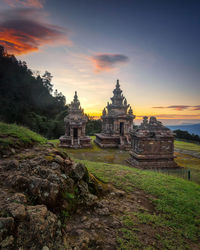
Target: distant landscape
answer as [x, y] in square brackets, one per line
[99, 125]
[191, 128]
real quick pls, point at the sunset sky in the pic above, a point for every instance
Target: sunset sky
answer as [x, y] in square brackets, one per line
[152, 47]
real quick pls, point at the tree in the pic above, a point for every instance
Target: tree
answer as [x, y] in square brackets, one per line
[93, 126]
[2, 52]
[26, 98]
[184, 135]
[46, 79]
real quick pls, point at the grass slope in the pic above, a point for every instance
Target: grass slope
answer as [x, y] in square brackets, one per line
[12, 135]
[187, 145]
[187, 161]
[176, 202]
[117, 156]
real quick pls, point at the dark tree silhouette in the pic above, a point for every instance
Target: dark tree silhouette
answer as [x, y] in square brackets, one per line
[26, 98]
[184, 135]
[93, 126]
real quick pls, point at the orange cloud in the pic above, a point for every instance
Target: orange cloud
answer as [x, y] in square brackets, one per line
[22, 32]
[26, 3]
[107, 62]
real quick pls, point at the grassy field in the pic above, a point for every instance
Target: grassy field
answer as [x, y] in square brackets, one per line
[187, 146]
[176, 219]
[187, 161]
[116, 156]
[95, 153]
[176, 201]
[12, 135]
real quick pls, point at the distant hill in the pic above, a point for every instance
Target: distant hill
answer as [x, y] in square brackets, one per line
[191, 128]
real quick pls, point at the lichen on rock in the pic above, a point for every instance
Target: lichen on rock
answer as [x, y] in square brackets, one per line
[38, 191]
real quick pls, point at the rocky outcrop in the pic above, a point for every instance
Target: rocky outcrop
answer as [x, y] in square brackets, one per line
[40, 187]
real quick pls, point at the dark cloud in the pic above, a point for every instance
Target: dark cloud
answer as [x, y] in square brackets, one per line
[179, 107]
[174, 116]
[106, 62]
[196, 107]
[25, 3]
[25, 30]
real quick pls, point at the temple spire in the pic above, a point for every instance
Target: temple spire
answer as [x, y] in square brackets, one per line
[117, 84]
[104, 112]
[75, 97]
[75, 104]
[117, 98]
[130, 112]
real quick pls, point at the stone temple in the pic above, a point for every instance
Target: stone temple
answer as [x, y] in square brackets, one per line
[152, 146]
[75, 123]
[117, 121]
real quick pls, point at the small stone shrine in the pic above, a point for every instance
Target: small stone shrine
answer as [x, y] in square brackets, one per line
[117, 122]
[75, 123]
[152, 145]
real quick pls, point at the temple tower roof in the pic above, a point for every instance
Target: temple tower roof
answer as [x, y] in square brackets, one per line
[117, 98]
[152, 128]
[119, 105]
[75, 110]
[75, 104]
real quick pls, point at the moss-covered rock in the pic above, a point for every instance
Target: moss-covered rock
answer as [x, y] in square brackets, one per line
[39, 189]
[14, 137]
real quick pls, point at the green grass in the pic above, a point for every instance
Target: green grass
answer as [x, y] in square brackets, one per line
[54, 141]
[187, 145]
[187, 161]
[117, 156]
[177, 144]
[127, 236]
[14, 135]
[93, 149]
[176, 201]
[95, 153]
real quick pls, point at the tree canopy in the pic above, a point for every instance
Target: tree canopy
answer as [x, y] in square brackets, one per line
[27, 98]
[185, 135]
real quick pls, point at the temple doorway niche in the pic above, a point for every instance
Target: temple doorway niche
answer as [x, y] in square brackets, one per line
[75, 133]
[121, 126]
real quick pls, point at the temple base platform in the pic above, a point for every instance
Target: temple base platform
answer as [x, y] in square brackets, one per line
[112, 141]
[70, 142]
[152, 161]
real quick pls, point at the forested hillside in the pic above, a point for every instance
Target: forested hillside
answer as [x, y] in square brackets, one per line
[191, 128]
[27, 98]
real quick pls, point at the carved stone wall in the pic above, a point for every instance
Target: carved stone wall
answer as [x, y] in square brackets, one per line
[152, 145]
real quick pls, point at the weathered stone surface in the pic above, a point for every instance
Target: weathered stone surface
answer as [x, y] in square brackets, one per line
[7, 242]
[17, 211]
[152, 145]
[75, 123]
[35, 193]
[117, 122]
[78, 171]
[59, 159]
[41, 226]
[6, 223]
[19, 198]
